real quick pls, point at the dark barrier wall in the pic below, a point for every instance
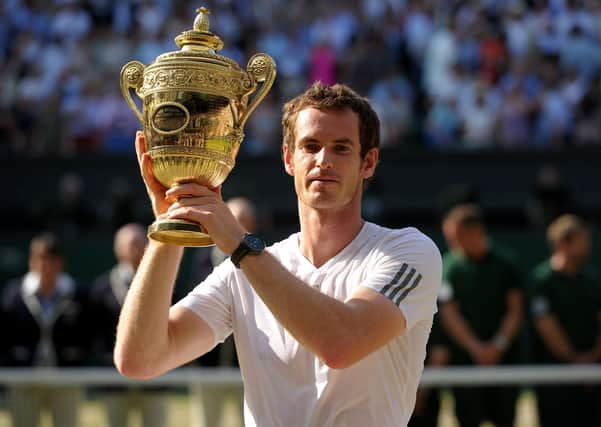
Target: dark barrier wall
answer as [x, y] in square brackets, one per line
[408, 185]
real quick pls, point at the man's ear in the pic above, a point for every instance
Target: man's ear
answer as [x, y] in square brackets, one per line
[370, 162]
[288, 160]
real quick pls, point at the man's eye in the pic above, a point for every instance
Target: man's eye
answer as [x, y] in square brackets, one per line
[312, 148]
[342, 148]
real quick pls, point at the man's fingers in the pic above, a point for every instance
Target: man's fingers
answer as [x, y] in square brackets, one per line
[198, 202]
[140, 145]
[146, 167]
[189, 189]
[148, 175]
[184, 212]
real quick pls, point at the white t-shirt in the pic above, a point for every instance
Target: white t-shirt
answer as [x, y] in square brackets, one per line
[287, 385]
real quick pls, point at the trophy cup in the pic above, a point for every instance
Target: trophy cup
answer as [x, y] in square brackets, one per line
[195, 103]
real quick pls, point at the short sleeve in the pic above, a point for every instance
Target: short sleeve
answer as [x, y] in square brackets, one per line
[212, 301]
[540, 303]
[408, 272]
[450, 277]
[446, 293]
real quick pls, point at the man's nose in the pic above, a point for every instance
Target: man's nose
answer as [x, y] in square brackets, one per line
[324, 158]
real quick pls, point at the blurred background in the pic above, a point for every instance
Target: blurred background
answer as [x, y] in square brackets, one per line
[493, 102]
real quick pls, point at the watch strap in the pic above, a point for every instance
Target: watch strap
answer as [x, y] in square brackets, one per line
[240, 252]
[244, 248]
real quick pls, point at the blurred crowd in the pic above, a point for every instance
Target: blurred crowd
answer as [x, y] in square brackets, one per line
[441, 74]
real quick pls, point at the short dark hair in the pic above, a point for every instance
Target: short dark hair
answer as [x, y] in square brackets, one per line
[468, 214]
[336, 97]
[46, 244]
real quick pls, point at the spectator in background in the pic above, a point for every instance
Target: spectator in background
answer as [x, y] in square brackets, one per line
[45, 311]
[322, 64]
[106, 298]
[565, 305]
[441, 59]
[555, 117]
[493, 52]
[587, 130]
[515, 119]
[479, 118]
[443, 125]
[208, 402]
[71, 21]
[481, 303]
[393, 99]
[263, 130]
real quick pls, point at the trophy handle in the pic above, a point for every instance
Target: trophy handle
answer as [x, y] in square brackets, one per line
[132, 76]
[261, 68]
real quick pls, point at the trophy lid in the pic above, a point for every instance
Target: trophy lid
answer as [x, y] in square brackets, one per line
[199, 44]
[200, 36]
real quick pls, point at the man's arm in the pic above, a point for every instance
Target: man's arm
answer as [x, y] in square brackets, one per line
[512, 320]
[459, 329]
[151, 338]
[550, 330]
[339, 333]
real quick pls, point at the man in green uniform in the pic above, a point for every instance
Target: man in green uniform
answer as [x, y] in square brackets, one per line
[481, 310]
[566, 307]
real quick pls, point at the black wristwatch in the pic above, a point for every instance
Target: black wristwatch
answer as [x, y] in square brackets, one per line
[251, 244]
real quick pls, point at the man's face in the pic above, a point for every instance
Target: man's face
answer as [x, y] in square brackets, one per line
[130, 247]
[48, 266]
[326, 164]
[466, 238]
[579, 246]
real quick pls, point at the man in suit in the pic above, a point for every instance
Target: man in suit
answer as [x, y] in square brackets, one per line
[44, 309]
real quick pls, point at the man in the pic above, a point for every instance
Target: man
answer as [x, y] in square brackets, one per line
[106, 298]
[43, 326]
[330, 324]
[481, 310]
[566, 308]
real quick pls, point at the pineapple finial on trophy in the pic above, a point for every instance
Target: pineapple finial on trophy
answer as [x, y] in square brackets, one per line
[201, 23]
[200, 37]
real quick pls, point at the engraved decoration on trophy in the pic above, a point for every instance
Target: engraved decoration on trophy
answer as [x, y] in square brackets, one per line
[195, 104]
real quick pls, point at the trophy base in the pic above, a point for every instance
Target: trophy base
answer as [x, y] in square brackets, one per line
[179, 232]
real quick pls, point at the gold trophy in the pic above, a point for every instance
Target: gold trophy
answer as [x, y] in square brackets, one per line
[195, 105]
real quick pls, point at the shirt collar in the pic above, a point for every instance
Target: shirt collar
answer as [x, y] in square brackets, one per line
[31, 284]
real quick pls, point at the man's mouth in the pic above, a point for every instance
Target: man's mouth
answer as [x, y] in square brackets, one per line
[323, 178]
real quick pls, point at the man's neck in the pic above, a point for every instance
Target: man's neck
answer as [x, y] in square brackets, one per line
[477, 251]
[47, 288]
[564, 265]
[326, 233]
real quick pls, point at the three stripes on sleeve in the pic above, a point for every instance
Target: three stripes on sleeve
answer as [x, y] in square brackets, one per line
[403, 282]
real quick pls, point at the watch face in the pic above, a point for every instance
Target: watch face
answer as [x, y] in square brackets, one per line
[255, 243]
